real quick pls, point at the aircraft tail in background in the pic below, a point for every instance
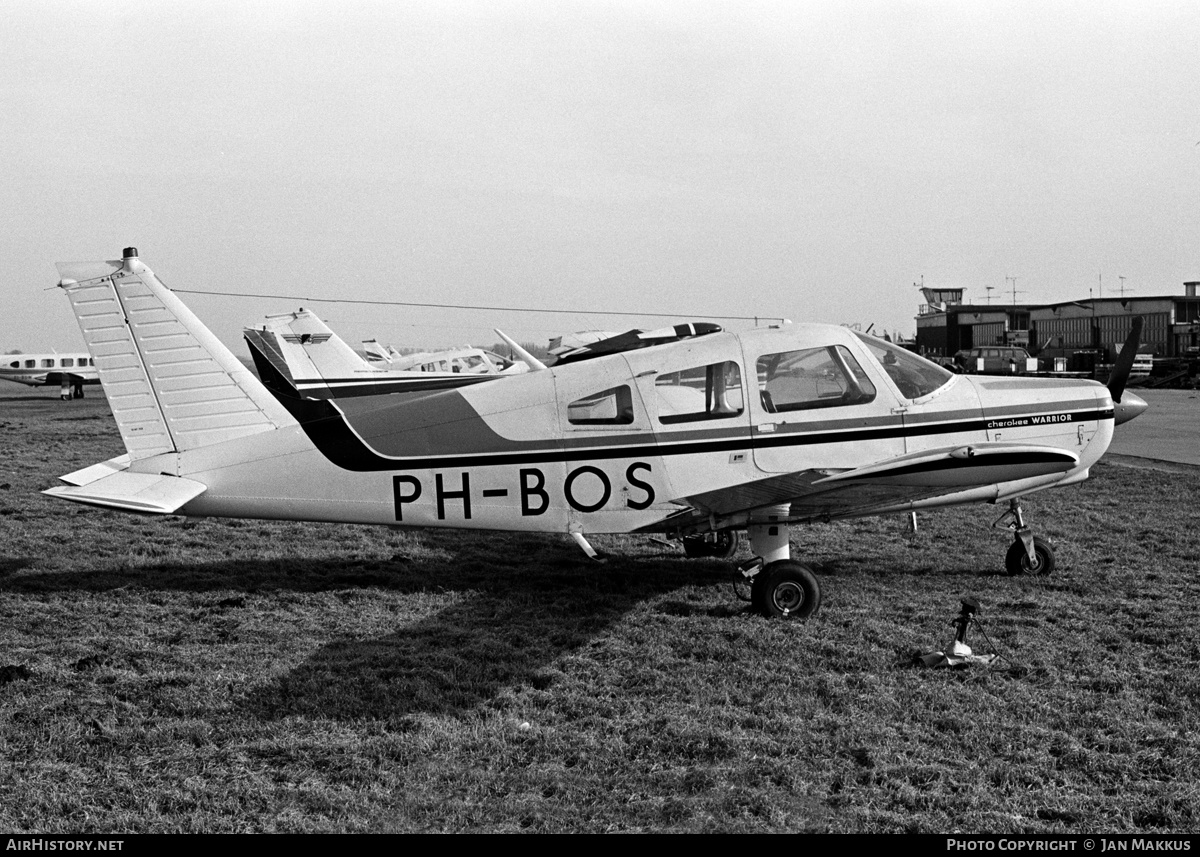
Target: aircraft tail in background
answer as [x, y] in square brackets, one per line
[300, 350]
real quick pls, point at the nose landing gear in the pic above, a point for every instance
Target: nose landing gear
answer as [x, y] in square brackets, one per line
[1029, 554]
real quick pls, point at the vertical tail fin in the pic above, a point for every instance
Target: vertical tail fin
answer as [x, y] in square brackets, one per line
[307, 352]
[171, 384]
[377, 352]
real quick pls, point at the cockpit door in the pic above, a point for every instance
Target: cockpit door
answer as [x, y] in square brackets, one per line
[938, 408]
[813, 406]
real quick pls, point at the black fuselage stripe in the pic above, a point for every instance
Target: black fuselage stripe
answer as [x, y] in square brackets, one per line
[356, 389]
[337, 442]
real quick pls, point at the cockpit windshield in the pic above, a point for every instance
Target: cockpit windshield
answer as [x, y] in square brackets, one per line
[914, 376]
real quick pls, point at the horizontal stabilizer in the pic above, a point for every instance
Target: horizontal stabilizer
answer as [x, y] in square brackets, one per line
[133, 492]
[88, 475]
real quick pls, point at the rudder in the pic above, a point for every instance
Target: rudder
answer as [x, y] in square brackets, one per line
[171, 384]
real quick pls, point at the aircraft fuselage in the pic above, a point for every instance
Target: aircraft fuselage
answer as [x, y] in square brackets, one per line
[809, 420]
[48, 370]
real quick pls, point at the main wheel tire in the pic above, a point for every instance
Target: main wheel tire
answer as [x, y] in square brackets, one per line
[1016, 561]
[719, 545]
[786, 590]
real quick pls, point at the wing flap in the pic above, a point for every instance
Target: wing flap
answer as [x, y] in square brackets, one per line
[133, 492]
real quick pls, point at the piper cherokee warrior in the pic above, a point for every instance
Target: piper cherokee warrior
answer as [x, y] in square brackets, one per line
[700, 434]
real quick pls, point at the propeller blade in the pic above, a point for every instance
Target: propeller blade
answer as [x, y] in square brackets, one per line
[1124, 364]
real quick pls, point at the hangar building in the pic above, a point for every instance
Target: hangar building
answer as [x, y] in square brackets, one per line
[1172, 324]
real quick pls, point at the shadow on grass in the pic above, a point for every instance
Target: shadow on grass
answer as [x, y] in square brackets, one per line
[10, 564]
[503, 634]
[512, 606]
[956, 571]
[48, 397]
[460, 657]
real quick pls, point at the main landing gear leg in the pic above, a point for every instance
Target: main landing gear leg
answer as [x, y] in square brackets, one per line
[1029, 554]
[779, 586]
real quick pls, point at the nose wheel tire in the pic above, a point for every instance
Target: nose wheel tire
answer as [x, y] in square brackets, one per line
[786, 590]
[1017, 560]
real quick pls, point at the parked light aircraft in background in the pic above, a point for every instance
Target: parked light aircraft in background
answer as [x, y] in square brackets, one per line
[698, 437]
[298, 356]
[68, 372]
[465, 360]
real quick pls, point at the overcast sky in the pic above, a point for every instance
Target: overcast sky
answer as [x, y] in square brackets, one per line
[809, 160]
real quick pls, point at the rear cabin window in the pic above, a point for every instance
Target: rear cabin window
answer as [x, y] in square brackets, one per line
[16, 364]
[613, 407]
[812, 378]
[30, 364]
[701, 393]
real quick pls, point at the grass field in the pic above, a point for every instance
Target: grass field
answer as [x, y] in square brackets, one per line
[161, 674]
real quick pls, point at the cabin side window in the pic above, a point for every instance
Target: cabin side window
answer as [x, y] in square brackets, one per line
[68, 361]
[913, 376]
[612, 407]
[812, 378]
[48, 363]
[500, 363]
[30, 364]
[701, 393]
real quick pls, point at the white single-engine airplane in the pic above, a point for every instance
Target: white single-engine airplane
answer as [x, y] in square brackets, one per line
[68, 372]
[298, 356]
[463, 360]
[699, 438]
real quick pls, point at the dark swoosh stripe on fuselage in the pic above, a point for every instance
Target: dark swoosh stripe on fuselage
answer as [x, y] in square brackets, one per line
[343, 388]
[337, 441]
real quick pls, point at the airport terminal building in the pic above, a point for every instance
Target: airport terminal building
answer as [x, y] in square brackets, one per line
[946, 325]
